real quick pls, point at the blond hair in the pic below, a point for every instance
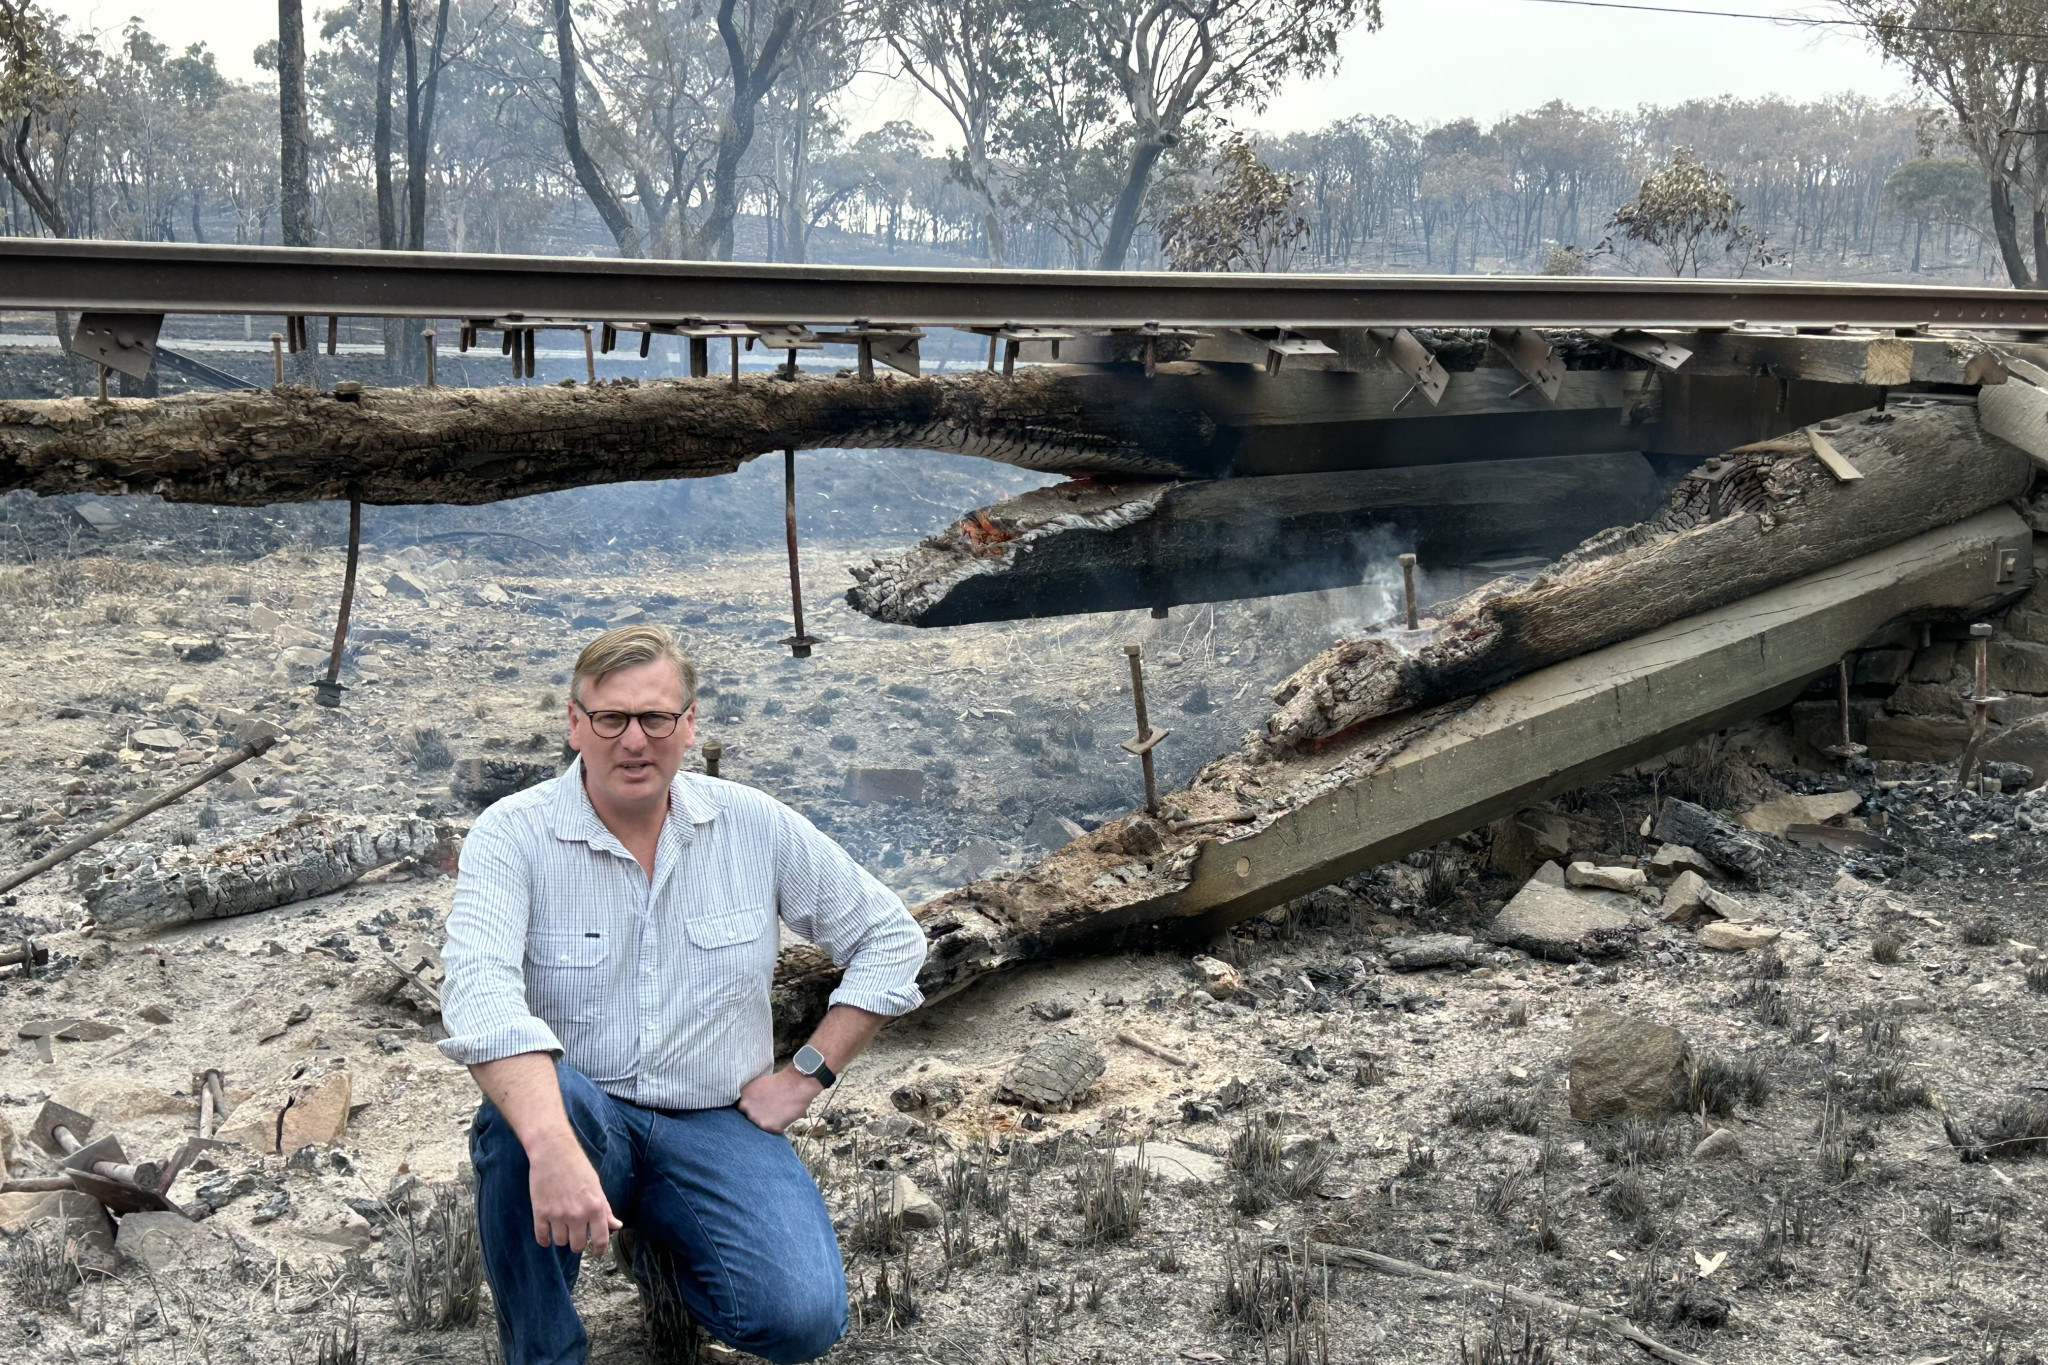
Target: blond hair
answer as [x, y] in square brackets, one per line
[629, 647]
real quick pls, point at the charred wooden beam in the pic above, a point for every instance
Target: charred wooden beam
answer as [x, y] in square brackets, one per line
[1405, 782]
[408, 445]
[1764, 517]
[1092, 546]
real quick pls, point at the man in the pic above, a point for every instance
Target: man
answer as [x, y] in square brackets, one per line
[609, 959]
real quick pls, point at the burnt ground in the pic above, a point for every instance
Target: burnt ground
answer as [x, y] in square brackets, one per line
[1420, 1115]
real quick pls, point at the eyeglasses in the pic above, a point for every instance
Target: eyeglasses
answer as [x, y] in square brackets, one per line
[653, 724]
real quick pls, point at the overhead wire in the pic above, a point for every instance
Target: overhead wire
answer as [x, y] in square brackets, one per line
[1809, 21]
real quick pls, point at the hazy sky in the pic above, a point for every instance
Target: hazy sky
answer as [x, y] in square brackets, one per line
[1435, 60]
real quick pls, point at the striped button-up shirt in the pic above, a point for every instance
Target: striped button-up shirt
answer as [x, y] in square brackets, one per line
[656, 988]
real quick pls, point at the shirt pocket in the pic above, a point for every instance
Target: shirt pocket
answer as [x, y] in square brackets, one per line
[566, 973]
[734, 954]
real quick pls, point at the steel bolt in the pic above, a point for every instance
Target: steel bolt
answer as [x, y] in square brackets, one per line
[713, 752]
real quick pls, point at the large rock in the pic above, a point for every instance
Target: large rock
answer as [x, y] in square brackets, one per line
[1555, 923]
[280, 1119]
[1782, 812]
[1622, 1067]
[1050, 831]
[1685, 897]
[2019, 666]
[170, 1241]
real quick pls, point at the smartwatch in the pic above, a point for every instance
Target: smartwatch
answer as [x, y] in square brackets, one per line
[810, 1062]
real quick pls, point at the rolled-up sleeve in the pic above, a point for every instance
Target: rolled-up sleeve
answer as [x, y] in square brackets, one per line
[828, 898]
[483, 996]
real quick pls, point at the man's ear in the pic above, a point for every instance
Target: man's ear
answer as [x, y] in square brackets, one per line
[573, 728]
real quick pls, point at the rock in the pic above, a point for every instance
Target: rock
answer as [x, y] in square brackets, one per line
[1552, 922]
[1877, 668]
[1672, 859]
[1054, 1075]
[405, 584]
[1623, 1067]
[290, 635]
[912, 1205]
[1622, 879]
[1724, 937]
[1173, 1163]
[1549, 834]
[1850, 885]
[1715, 901]
[1780, 813]
[1911, 1004]
[1219, 978]
[263, 620]
[115, 1105]
[319, 1114]
[1418, 952]
[1051, 831]
[68, 1030]
[891, 1126]
[933, 1098]
[183, 694]
[1727, 844]
[1550, 874]
[974, 860]
[160, 740]
[96, 517]
[197, 651]
[481, 781]
[302, 661]
[1685, 897]
[631, 616]
[88, 1220]
[155, 1014]
[1934, 664]
[2019, 666]
[491, 595]
[1720, 1142]
[169, 1241]
[866, 786]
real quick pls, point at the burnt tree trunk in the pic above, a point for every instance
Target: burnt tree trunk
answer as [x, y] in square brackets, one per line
[1774, 515]
[259, 446]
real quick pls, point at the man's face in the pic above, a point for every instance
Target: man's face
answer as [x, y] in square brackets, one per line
[632, 770]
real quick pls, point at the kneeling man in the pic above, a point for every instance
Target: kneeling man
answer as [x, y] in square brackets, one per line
[609, 959]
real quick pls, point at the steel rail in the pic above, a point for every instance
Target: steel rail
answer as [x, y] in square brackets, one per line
[156, 277]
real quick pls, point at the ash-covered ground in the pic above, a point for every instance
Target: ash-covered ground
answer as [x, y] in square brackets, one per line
[1329, 1095]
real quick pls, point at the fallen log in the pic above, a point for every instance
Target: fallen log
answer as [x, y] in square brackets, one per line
[135, 890]
[1401, 783]
[1766, 516]
[415, 445]
[1087, 546]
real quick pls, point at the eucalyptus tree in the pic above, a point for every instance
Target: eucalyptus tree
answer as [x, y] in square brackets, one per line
[1174, 63]
[1986, 61]
[968, 56]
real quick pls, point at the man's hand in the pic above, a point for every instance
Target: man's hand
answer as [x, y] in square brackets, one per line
[776, 1099]
[569, 1207]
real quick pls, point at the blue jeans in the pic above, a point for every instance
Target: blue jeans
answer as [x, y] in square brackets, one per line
[760, 1266]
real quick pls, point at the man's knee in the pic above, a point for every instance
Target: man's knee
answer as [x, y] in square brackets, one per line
[798, 1318]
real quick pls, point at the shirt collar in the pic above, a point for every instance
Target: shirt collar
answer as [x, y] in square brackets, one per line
[692, 801]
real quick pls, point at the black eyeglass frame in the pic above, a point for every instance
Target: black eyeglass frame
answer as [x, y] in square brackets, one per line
[674, 718]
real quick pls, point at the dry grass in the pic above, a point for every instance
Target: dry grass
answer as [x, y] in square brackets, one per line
[437, 1277]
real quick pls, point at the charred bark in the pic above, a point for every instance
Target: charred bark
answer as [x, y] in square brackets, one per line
[396, 446]
[1773, 515]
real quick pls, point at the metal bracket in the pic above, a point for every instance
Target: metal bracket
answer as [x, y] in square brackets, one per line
[1533, 357]
[119, 341]
[894, 346]
[1151, 334]
[1013, 338]
[1408, 355]
[1281, 343]
[1664, 354]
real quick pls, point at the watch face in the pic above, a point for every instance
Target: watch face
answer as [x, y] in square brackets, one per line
[807, 1060]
